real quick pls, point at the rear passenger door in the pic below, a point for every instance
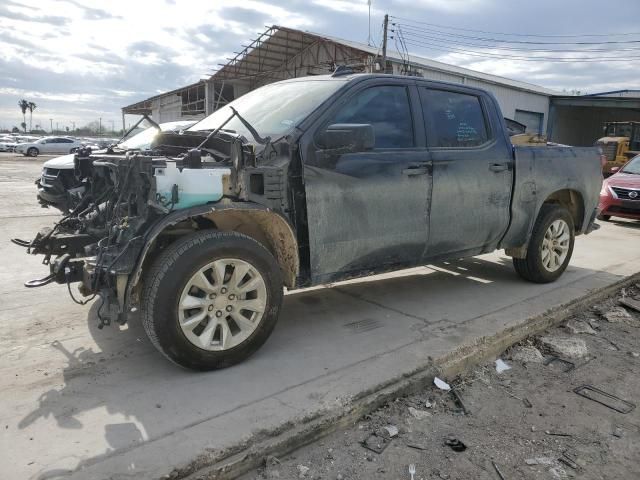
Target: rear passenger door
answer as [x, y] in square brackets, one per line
[472, 172]
[54, 145]
[367, 210]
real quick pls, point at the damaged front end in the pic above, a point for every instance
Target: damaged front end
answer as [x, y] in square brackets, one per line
[99, 243]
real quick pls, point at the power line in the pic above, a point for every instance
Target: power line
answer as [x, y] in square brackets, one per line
[413, 35]
[523, 42]
[516, 34]
[435, 46]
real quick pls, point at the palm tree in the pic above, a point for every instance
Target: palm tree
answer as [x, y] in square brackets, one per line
[32, 106]
[24, 106]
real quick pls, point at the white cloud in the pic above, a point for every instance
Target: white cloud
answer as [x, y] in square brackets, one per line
[80, 59]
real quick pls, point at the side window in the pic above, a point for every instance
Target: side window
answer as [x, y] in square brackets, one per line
[453, 119]
[66, 140]
[387, 109]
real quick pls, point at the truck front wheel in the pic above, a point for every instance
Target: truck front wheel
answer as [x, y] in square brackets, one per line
[550, 246]
[211, 299]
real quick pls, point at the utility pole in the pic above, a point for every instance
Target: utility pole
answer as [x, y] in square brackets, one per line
[51, 122]
[384, 44]
[369, 37]
[100, 127]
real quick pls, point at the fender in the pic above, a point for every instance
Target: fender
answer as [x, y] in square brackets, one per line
[284, 244]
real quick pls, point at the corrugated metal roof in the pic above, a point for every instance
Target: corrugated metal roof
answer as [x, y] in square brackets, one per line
[419, 61]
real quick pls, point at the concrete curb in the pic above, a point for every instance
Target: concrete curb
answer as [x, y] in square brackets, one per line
[244, 457]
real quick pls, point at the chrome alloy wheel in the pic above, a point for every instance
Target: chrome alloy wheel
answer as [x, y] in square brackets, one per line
[222, 304]
[555, 245]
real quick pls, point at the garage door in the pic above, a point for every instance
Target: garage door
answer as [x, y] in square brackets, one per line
[533, 120]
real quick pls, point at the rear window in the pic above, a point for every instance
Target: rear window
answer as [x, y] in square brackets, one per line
[453, 119]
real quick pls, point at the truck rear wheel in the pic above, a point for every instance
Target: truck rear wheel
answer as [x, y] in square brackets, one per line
[550, 247]
[211, 299]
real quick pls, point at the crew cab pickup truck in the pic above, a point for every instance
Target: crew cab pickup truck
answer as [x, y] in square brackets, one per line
[305, 182]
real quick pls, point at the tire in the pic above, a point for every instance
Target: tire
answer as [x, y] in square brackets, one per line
[532, 267]
[604, 218]
[33, 152]
[166, 291]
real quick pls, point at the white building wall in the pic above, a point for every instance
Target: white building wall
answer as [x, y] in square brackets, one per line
[511, 99]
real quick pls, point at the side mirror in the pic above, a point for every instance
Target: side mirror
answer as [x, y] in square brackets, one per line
[357, 137]
[614, 169]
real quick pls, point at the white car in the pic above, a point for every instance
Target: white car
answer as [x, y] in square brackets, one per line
[7, 145]
[58, 181]
[48, 145]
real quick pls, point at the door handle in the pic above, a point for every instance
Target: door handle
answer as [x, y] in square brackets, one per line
[412, 171]
[498, 167]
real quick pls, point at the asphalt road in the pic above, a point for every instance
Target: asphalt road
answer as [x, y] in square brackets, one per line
[79, 402]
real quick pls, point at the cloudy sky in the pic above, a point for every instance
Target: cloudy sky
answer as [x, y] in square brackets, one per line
[80, 60]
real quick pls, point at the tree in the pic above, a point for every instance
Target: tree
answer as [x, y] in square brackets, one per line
[32, 106]
[15, 130]
[24, 106]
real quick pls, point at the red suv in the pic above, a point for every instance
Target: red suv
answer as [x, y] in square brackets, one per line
[620, 194]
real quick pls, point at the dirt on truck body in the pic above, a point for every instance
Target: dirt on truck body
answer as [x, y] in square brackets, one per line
[305, 182]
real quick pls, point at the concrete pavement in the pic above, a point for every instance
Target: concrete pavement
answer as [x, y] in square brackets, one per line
[78, 402]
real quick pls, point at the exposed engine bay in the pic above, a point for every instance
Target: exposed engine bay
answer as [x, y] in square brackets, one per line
[124, 195]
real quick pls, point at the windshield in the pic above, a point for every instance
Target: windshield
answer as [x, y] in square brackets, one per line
[140, 141]
[273, 109]
[633, 166]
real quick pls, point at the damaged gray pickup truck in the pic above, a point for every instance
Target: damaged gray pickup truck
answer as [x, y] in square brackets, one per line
[304, 182]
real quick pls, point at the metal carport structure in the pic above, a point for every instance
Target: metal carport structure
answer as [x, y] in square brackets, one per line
[578, 120]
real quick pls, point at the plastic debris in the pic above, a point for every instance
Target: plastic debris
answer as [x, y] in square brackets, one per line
[302, 471]
[501, 366]
[441, 384]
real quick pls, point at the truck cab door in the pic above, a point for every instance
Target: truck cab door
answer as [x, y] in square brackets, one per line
[472, 171]
[367, 202]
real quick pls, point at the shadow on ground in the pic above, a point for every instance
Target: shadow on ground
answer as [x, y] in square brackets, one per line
[321, 331]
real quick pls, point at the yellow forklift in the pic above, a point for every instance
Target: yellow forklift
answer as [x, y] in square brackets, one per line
[621, 141]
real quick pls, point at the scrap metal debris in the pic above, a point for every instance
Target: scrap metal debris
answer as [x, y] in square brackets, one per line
[568, 366]
[604, 398]
[570, 459]
[498, 470]
[458, 399]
